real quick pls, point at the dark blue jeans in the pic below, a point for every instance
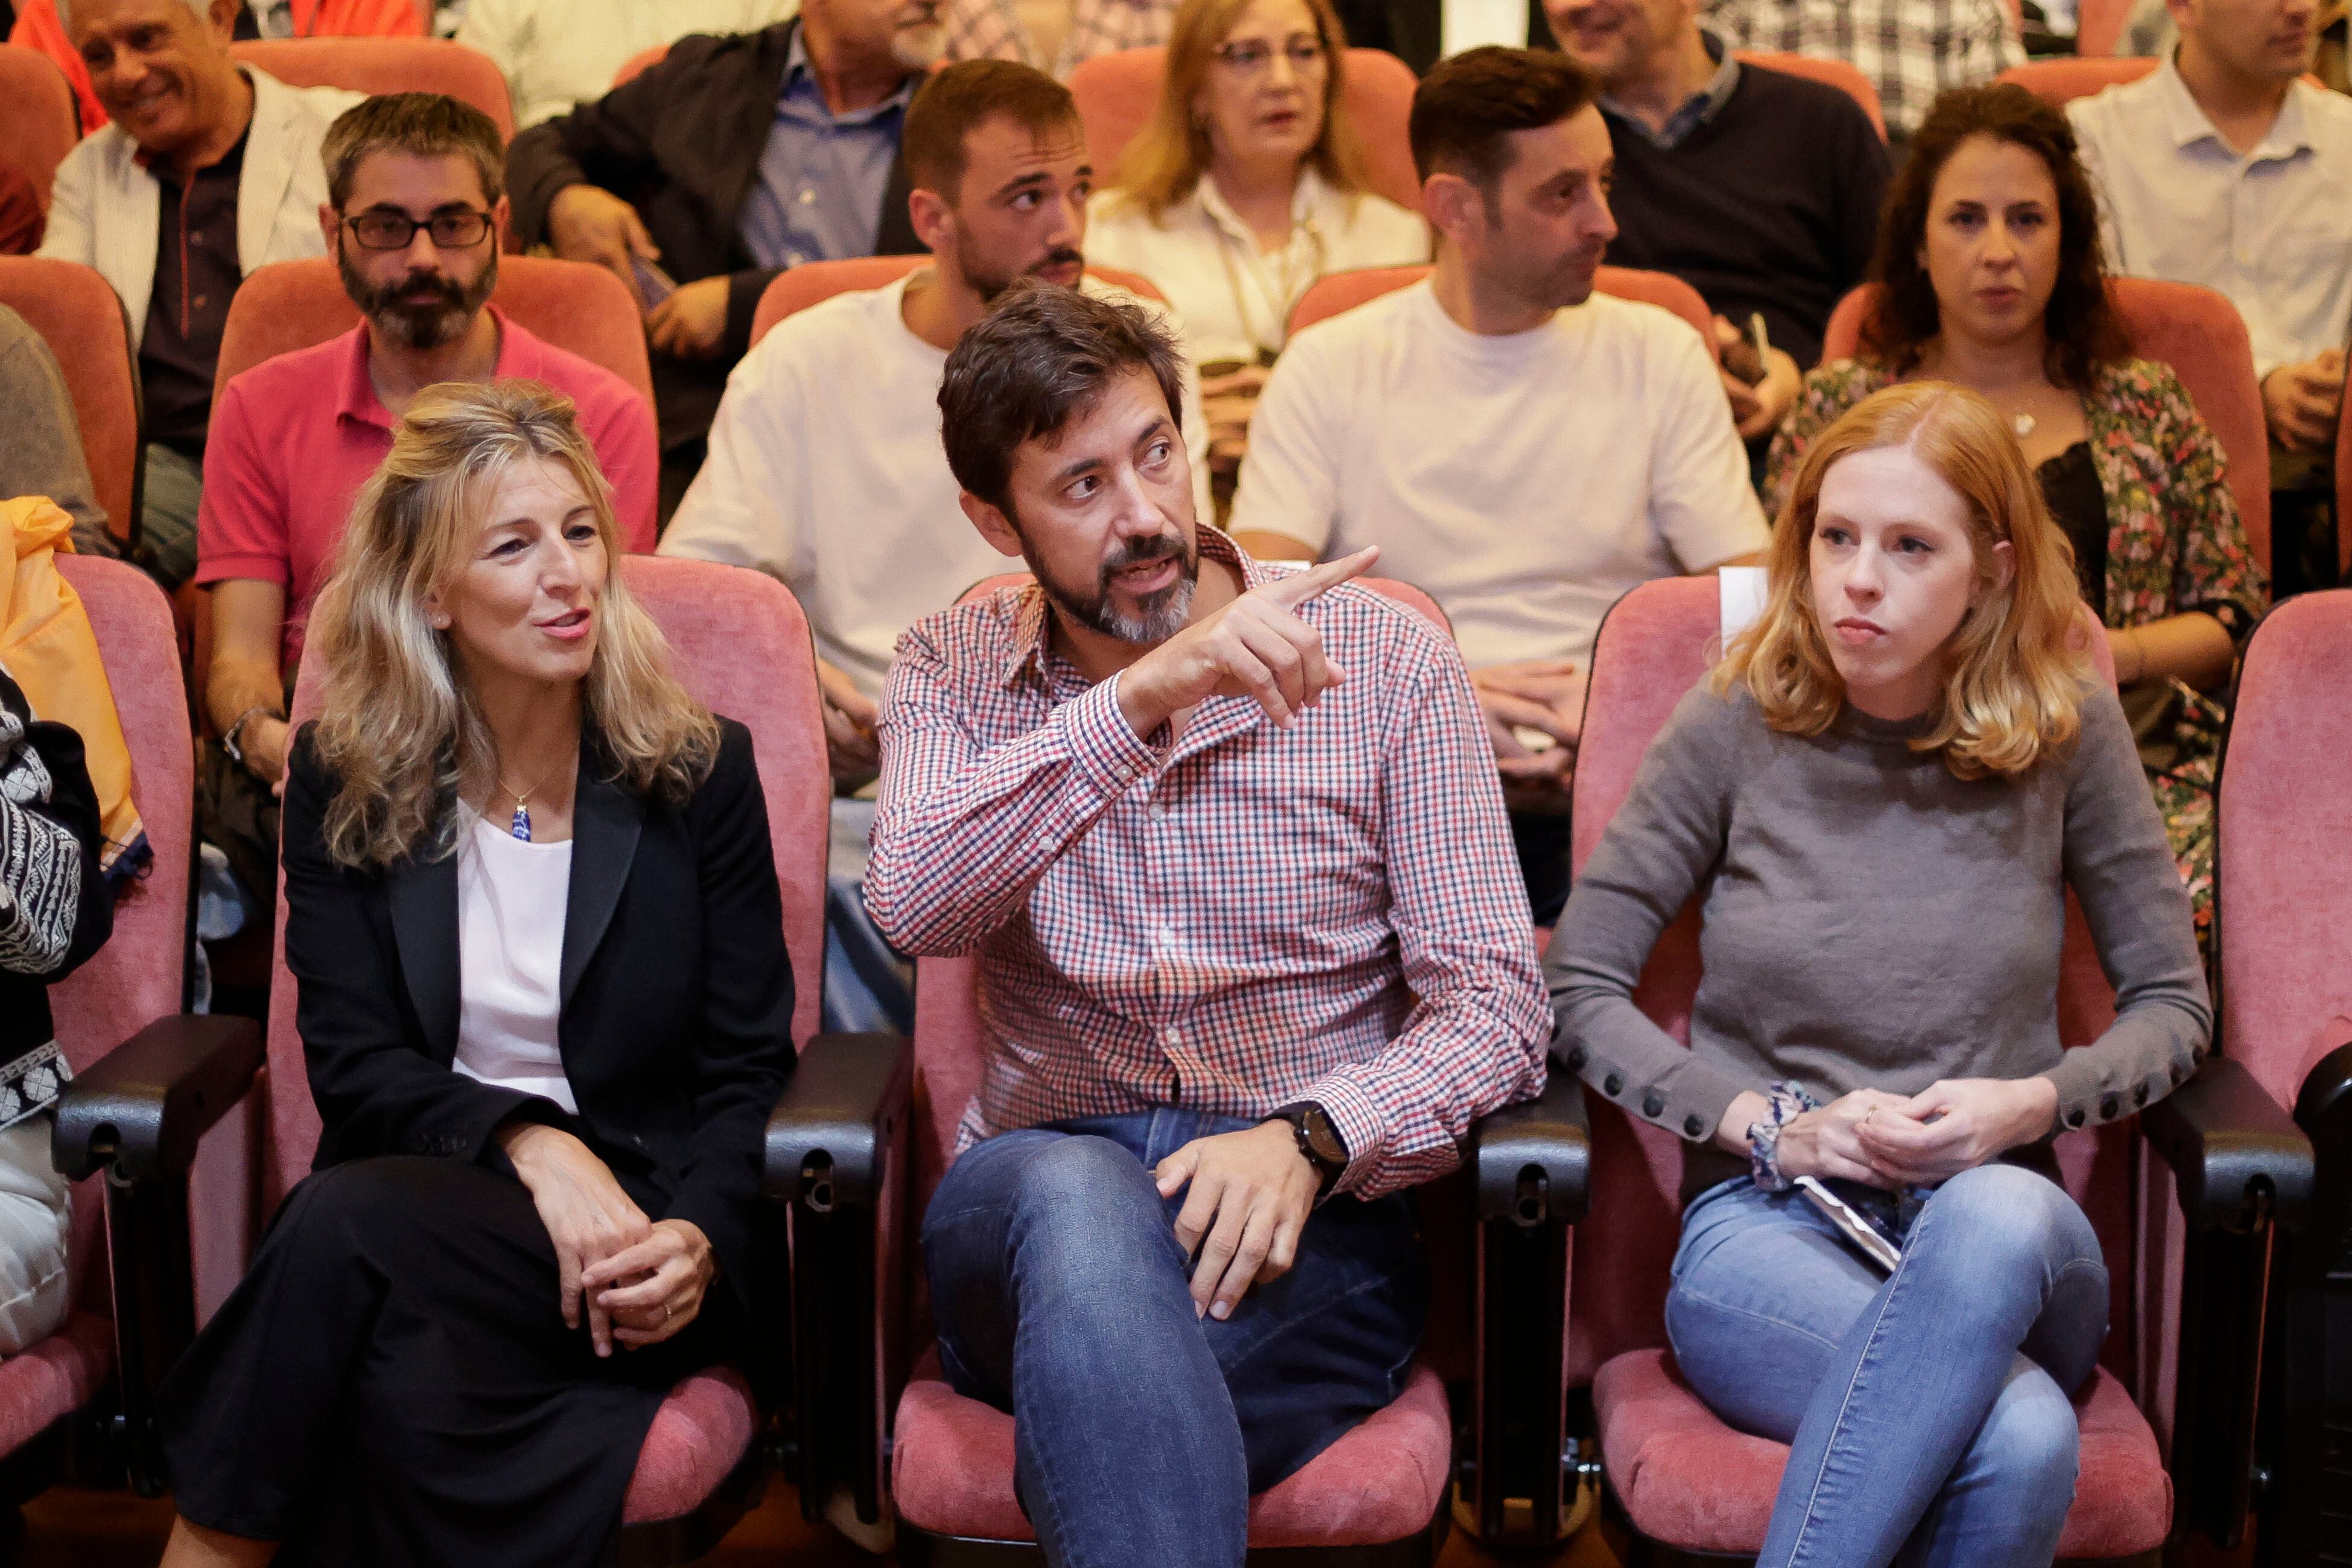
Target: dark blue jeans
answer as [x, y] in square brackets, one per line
[1140, 1430]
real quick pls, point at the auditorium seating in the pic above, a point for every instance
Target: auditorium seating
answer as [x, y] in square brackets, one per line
[80, 318]
[880, 1425]
[796, 288]
[2343, 497]
[38, 122]
[388, 65]
[637, 65]
[1118, 94]
[2061, 80]
[2195, 331]
[119, 1019]
[1338, 291]
[1847, 77]
[1685, 1482]
[2283, 903]
[741, 645]
[2099, 26]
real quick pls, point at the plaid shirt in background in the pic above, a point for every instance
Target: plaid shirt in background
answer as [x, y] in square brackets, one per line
[1910, 50]
[1256, 917]
[992, 30]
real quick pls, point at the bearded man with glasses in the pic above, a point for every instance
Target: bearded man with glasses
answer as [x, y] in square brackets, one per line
[416, 204]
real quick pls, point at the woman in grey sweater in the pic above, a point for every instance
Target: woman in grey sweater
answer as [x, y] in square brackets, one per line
[1880, 798]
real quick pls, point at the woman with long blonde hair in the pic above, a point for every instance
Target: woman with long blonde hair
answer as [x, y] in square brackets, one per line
[1879, 801]
[1247, 187]
[545, 1004]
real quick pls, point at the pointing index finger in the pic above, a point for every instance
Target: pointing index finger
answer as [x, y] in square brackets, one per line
[1300, 587]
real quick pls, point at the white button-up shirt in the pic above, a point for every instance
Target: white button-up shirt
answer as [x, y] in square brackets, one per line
[2271, 228]
[1234, 298]
[557, 55]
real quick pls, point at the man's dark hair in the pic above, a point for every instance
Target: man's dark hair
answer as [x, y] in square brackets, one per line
[967, 95]
[427, 124]
[1042, 358]
[1466, 108]
[2080, 323]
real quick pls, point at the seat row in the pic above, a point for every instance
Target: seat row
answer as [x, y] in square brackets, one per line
[1545, 1361]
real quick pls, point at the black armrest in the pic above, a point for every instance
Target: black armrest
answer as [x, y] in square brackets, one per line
[142, 1108]
[1532, 1163]
[2230, 1146]
[828, 1137]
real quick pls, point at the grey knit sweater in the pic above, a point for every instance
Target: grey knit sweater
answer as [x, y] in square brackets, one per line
[1872, 920]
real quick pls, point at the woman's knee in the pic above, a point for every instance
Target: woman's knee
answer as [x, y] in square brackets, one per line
[2029, 1450]
[2000, 1216]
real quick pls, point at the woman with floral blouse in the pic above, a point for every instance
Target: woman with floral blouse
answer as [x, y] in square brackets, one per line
[1989, 257]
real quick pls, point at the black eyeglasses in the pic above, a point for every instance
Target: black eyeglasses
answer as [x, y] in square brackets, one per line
[1247, 57]
[378, 230]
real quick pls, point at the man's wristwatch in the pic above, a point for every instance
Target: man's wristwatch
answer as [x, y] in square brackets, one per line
[229, 743]
[1318, 1142]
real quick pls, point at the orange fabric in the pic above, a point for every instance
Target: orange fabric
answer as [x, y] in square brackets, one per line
[1118, 94]
[37, 27]
[380, 64]
[47, 647]
[2059, 82]
[39, 120]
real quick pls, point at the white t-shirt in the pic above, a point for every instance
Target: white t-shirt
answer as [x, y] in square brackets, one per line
[511, 902]
[1526, 480]
[1234, 298]
[557, 53]
[825, 471]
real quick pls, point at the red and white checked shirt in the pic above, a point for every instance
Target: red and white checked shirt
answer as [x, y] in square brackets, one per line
[1255, 917]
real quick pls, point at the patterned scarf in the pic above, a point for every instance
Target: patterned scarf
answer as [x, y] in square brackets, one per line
[40, 889]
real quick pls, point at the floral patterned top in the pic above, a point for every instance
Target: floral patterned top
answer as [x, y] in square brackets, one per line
[2174, 543]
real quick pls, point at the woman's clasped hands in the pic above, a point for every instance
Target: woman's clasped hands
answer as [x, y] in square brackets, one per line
[1895, 1141]
[636, 1281]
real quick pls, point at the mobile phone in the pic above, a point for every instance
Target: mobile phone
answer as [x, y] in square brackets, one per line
[654, 284]
[1869, 1237]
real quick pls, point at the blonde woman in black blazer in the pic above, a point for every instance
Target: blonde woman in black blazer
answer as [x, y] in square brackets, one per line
[545, 1003]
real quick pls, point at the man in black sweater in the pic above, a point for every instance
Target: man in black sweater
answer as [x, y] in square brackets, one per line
[1758, 189]
[730, 161]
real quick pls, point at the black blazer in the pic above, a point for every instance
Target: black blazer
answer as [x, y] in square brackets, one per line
[681, 144]
[677, 996]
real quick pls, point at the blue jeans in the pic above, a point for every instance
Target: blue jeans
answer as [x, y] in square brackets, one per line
[1141, 1429]
[1926, 1413]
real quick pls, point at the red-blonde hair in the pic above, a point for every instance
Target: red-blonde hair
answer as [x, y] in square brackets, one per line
[2017, 678]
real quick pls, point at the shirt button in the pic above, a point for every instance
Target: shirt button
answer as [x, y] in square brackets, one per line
[1171, 1037]
[202, 299]
[808, 196]
[1159, 812]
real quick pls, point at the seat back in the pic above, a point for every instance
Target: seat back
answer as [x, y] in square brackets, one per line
[637, 65]
[38, 122]
[2061, 80]
[1654, 644]
[741, 645]
[2343, 495]
[796, 288]
[388, 65]
[575, 307]
[2099, 27]
[1338, 291]
[1840, 74]
[2195, 331]
[2285, 818]
[1118, 93]
[78, 315]
[141, 974]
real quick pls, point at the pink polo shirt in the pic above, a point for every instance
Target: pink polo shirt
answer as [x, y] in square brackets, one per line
[295, 438]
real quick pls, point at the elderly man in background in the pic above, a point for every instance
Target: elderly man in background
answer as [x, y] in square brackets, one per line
[208, 170]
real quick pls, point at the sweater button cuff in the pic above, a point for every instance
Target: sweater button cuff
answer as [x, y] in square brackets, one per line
[1575, 1058]
[1653, 1105]
[2109, 1107]
[1693, 1126]
[1613, 1085]
[2074, 1117]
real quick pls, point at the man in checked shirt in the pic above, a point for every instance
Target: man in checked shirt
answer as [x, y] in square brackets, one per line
[1229, 843]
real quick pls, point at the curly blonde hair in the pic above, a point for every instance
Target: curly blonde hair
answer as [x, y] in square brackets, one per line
[2017, 674]
[398, 725]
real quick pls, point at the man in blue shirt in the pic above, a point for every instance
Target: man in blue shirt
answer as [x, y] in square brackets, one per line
[730, 160]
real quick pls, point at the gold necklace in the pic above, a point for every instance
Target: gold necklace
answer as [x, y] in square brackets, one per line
[518, 826]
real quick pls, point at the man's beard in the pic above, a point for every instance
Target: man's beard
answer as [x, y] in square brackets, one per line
[1163, 613]
[989, 283]
[435, 323]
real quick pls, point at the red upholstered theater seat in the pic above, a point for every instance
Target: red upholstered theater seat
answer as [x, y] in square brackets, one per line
[1118, 93]
[1846, 78]
[796, 288]
[78, 315]
[741, 645]
[388, 65]
[1682, 1479]
[38, 122]
[2195, 331]
[1338, 291]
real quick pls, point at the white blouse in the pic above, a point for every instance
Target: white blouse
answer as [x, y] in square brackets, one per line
[1234, 299]
[510, 902]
